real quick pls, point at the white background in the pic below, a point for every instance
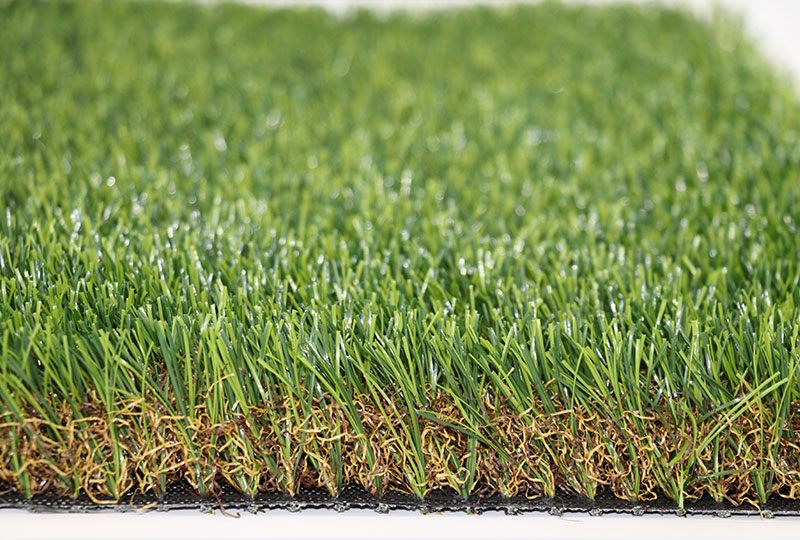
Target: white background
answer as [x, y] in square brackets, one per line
[775, 26]
[368, 524]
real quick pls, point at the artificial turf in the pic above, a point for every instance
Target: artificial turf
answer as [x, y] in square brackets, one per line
[494, 250]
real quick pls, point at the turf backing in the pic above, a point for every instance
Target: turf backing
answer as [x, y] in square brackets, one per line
[504, 252]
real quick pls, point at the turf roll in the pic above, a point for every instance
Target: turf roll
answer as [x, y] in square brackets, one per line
[498, 252]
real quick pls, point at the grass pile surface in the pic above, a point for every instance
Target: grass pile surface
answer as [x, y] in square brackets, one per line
[498, 251]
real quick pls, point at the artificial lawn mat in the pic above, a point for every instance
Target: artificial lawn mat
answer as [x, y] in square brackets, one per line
[525, 253]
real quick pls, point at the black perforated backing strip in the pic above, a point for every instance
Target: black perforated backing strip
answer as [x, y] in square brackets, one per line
[180, 497]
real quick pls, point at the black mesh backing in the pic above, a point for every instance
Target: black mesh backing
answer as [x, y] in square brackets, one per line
[180, 497]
